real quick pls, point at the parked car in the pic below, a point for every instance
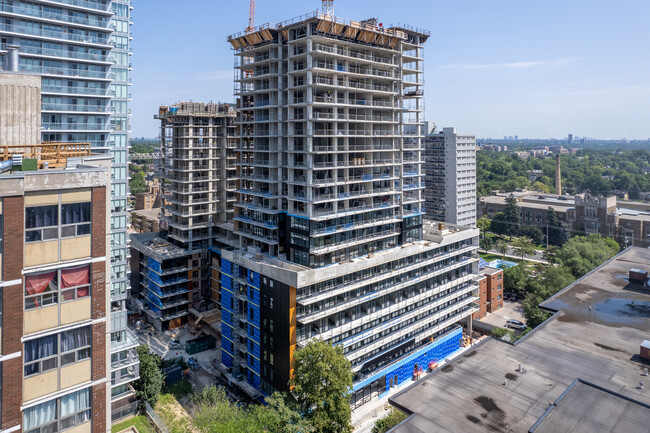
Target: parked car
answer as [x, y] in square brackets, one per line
[513, 297]
[175, 344]
[515, 324]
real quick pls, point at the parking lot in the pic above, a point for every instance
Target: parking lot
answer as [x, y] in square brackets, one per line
[510, 310]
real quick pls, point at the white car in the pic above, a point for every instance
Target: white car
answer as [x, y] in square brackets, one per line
[515, 324]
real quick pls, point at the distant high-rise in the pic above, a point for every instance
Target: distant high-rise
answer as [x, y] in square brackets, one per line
[450, 177]
[570, 140]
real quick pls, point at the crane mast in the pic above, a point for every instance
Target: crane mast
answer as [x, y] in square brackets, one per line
[251, 17]
[328, 8]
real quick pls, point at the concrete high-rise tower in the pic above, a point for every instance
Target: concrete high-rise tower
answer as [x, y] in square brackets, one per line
[450, 177]
[329, 210]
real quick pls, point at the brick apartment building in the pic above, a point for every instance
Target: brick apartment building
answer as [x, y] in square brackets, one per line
[53, 279]
[490, 284]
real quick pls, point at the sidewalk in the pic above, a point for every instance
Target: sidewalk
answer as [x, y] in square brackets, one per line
[510, 256]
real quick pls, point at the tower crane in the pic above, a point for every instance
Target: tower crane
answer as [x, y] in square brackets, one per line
[328, 8]
[251, 17]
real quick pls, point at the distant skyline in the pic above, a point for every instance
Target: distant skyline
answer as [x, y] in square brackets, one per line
[496, 68]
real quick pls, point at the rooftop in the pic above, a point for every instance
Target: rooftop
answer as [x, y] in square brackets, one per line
[594, 335]
[149, 213]
[155, 246]
[49, 155]
[367, 30]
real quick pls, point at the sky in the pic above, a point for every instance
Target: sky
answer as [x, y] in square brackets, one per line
[493, 68]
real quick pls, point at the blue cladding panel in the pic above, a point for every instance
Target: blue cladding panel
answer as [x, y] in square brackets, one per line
[226, 282]
[226, 330]
[226, 300]
[254, 295]
[436, 350]
[153, 276]
[257, 382]
[253, 333]
[254, 279]
[226, 359]
[226, 267]
[254, 348]
[226, 316]
[226, 345]
[154, 265]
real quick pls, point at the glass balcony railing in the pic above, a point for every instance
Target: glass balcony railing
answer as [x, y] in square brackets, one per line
[87, 19]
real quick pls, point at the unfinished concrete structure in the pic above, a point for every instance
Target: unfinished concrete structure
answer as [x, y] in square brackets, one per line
[169, 270]
[197, 142]
[332, 242]
[331, 123]
[450, 177]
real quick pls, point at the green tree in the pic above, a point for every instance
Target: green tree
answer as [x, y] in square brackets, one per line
[512, 215]
[533, 314]
[485, 243]
[541, 186]
[634, 192]
[394, 417]
[523, 247]
[582, 254]
[321, 383]
[557, 233]
[502, 247]
[534, 233]
[498, 224]
[503, 334]
[281, 415]
[148, 387]
[516, 278]
[483, 224]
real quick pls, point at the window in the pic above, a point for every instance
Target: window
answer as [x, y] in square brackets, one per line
[59, 414]
[47, 288]
[75, 219]
[43, 220]
[47, 353]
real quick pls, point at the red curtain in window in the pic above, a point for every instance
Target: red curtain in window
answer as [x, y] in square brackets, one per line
[35, 284]
[75, 277]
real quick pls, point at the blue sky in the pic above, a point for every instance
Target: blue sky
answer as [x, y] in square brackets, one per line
[532, 68]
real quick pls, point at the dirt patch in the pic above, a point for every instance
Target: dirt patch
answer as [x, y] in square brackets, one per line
[473, 419]
[488, 404]
[470, 354]
[603, 346]
[447, 368]
[511, 376]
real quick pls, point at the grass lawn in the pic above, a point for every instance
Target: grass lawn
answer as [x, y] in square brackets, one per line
[140, 422]
[489, 257]
[170, 407]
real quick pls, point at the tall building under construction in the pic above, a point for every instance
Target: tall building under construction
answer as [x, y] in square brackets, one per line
[169, 270]
[330, 237]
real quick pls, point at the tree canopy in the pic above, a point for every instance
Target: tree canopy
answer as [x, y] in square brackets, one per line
[148, 387]
[321, 383]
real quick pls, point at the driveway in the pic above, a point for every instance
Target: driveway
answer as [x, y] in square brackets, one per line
[510, 310]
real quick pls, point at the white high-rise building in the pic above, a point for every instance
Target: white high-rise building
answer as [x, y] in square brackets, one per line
[450, 177]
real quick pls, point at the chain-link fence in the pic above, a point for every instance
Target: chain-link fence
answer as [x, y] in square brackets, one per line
[155, 419]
